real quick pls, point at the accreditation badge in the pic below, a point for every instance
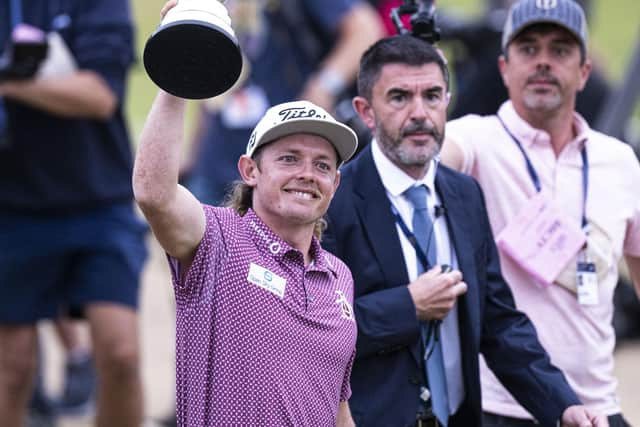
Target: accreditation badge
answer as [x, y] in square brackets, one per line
[587, 283]
[541, 239]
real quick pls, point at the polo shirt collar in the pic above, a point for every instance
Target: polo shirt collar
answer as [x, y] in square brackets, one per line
[272, 245]
[394, 179]
[582, 129]
[527, 135]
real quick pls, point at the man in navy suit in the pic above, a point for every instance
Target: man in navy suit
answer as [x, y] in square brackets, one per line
[407, 310]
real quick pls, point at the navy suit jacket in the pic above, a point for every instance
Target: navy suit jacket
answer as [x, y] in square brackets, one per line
[387, 373]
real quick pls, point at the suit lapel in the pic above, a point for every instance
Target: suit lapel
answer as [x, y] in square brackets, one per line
[374, 210]
[460, 231]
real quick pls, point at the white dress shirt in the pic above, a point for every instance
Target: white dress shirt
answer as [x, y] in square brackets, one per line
[396, 182]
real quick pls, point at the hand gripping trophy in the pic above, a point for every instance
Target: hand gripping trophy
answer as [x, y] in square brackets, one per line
[194, 53]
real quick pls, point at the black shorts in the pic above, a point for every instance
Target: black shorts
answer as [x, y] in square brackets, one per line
[50, 265]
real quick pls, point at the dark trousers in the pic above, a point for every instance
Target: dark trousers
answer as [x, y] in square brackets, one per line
[493, 420]
[455, 420]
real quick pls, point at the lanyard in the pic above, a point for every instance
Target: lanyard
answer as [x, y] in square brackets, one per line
[432, 328]
[16, 13]
[536, 179]
[422, 256]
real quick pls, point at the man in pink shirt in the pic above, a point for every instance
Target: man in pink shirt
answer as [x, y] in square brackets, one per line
[265, 330]
[538, 148]
[265, 326]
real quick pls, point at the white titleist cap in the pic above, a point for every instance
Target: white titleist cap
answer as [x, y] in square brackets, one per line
[303, 117]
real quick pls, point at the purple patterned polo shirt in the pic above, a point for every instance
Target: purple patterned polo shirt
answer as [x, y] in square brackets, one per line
[260, 338]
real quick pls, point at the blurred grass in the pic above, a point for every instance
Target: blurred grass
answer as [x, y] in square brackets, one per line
[615, 27]
[141, 89]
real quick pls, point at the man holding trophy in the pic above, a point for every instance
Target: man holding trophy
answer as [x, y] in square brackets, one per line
[265, 326]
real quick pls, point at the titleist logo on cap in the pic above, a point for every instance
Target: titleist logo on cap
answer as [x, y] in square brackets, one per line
[300, 113]
[303, 117]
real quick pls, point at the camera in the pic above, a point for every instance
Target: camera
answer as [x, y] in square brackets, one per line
[422, 15]
[23, 54]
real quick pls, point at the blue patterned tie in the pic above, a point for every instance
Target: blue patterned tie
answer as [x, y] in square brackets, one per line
[434, 365]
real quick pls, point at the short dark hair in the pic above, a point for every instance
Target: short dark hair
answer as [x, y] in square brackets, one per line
[401, 49]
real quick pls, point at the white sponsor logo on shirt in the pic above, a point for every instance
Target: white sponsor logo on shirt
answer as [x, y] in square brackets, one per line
[266, 279]
[345, 307]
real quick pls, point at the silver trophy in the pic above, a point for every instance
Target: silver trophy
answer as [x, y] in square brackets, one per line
[194, 53]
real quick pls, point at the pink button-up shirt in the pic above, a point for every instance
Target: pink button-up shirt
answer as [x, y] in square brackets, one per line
[261, 339]
[580, 339]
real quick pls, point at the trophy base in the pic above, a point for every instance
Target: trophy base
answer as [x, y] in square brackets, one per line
[192, 59]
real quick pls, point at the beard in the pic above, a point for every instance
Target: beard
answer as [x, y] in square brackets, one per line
[409, 154]
[543, 101]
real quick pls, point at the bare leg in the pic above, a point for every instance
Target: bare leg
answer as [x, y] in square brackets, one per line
[18, 346]
[114, 332]
[69, 332]
[80, 378]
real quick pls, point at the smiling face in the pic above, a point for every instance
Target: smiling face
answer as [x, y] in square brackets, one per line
[544, 71]
[294, 179]
[407, 113]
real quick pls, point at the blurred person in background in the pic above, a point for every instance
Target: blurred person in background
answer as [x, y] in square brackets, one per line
[71, 241]
[78, 391]
[538, 153]
[294, 49]
[478, 82]
[79, 378]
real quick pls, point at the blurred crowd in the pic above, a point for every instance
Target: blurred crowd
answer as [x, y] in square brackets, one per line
[72, 244]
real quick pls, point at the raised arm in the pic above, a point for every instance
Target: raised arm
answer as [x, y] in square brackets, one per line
[451, 154]
[359, 28]
[84, 73]
[175, 215]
